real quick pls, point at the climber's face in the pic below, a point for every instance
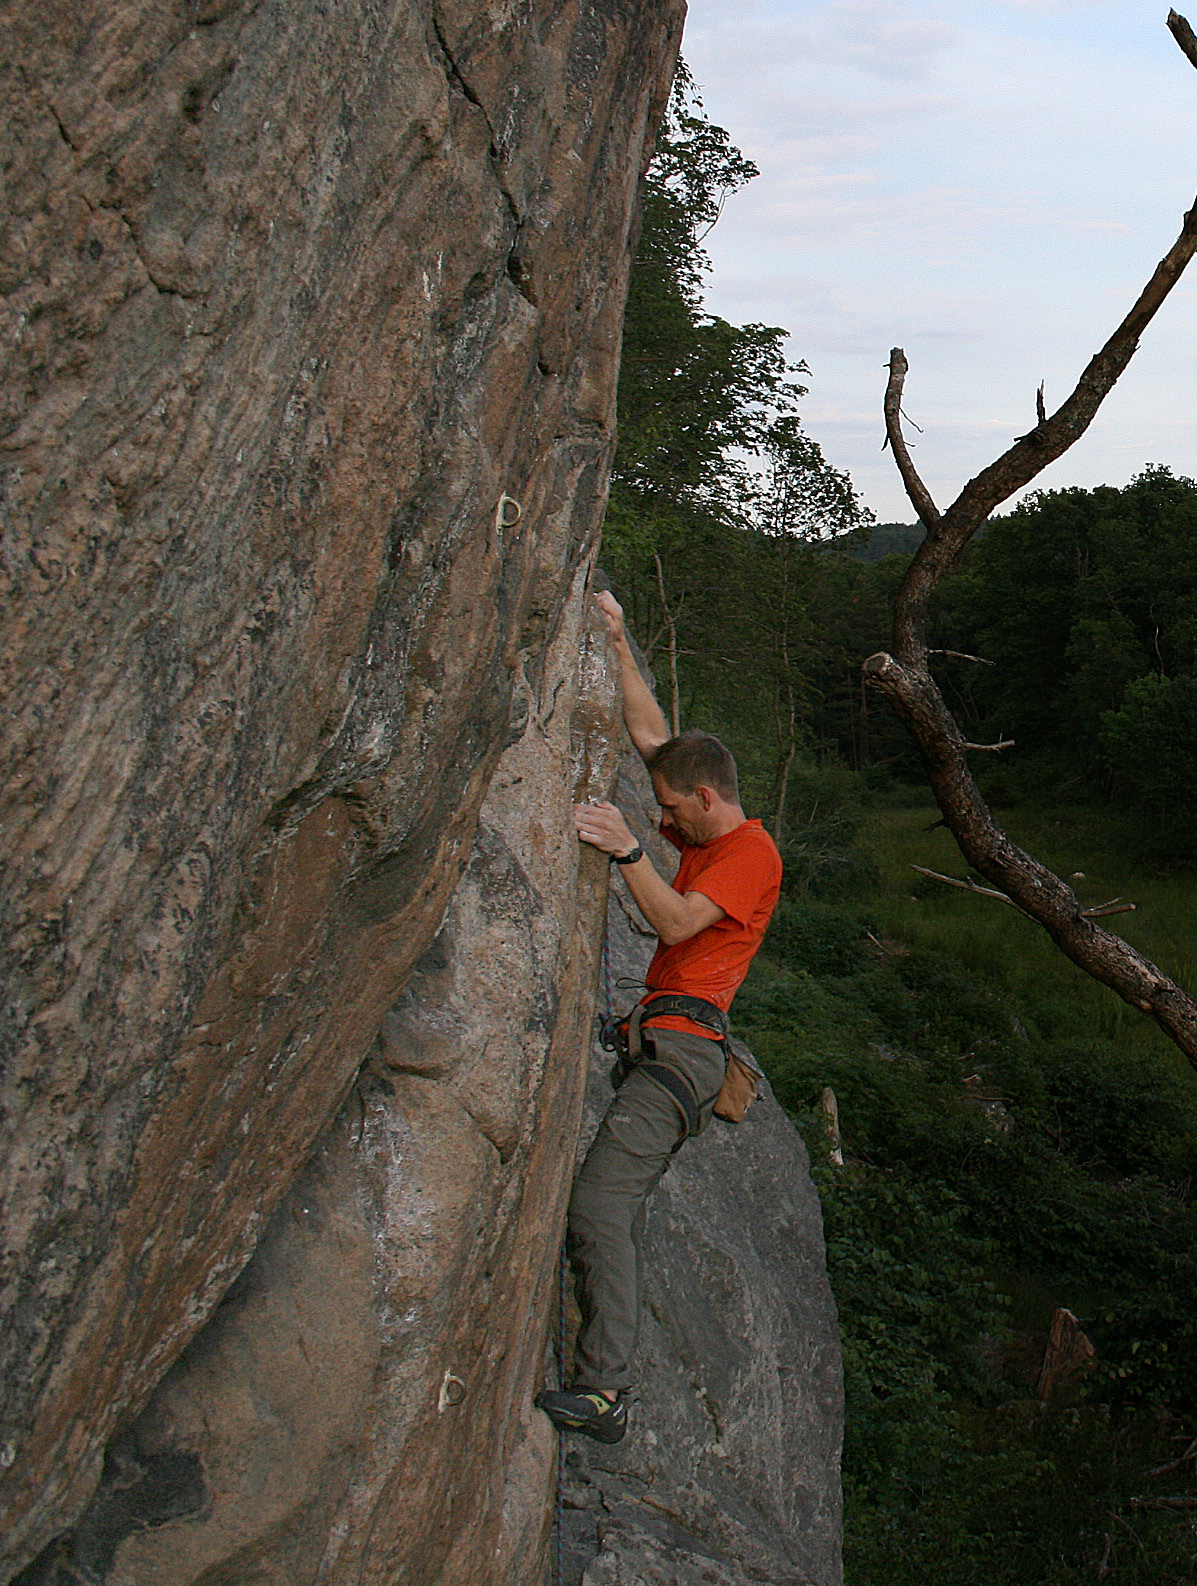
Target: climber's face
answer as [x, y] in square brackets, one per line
[688, 814]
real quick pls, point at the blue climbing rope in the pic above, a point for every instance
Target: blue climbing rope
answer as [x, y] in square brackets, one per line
[560, 1516]
[562, 1290]
[608, 989]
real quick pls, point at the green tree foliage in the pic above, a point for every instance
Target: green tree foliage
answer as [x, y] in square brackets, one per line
[694, 390]
[1008, 1150]
[760, 651]
[992, 1173]
[718, 496]
[1086, 603]
[1150, 746]
[803, 497]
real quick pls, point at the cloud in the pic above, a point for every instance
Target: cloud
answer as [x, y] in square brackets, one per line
[1058, 7]
[760, 40]
[885, 39]
[988, 185]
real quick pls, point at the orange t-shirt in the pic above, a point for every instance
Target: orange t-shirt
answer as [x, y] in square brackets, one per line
[741, 872]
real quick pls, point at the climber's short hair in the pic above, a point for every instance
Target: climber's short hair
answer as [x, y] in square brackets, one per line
[697, 759]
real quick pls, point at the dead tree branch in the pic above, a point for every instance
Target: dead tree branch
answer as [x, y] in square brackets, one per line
[1103, 910]
[920, 496]
[961, 655]
[904, 678]
[1183, 34]
[1115, 905]
[964, 883]
[1191, 1451]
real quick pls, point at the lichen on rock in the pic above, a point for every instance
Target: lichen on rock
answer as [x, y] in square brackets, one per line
[311, 324]
[293, 296]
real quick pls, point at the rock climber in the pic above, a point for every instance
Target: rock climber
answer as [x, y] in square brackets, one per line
[709, 923]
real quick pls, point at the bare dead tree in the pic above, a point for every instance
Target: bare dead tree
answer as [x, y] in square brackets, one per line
[904, 678]
[785, 700]
[675, 707]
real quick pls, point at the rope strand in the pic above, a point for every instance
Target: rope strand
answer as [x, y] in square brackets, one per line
[559, 1522]
[562, 1290]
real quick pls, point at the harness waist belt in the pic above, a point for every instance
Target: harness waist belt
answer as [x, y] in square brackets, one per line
[696, 1008]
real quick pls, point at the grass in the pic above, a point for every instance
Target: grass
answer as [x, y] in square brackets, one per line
[953, 1233]
[1000, 946]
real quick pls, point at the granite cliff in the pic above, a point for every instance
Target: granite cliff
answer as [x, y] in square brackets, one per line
[358, 1409]
[310, 333]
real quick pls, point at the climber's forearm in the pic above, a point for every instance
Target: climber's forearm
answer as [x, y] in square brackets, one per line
[642, 715]
[675, 917]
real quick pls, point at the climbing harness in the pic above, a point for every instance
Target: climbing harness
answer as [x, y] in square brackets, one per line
[622, 1034]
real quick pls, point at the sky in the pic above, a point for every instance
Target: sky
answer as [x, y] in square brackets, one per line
[987, 184]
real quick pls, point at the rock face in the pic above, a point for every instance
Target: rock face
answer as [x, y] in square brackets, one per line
[311, 320]
[310, 328]
[729, 1475]
[358, 1409]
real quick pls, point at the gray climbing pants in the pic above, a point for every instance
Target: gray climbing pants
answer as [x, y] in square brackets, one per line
[631, 1151]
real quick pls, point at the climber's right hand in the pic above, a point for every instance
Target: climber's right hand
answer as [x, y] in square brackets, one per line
[612, 613]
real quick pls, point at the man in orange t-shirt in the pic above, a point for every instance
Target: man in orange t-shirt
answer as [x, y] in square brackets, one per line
[709, 922]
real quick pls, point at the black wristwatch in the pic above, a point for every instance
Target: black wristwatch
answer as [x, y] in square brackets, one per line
[629, 859]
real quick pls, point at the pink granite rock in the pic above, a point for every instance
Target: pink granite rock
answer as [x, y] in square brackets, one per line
[358, 1409]
[293, 297]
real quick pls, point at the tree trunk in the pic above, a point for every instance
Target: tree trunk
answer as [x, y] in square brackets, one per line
[675, 715]
[904, 678]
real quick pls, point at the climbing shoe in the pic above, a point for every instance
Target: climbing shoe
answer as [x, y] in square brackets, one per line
[583, 1410]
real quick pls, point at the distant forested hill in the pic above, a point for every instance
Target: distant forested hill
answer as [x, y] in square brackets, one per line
[873, 543]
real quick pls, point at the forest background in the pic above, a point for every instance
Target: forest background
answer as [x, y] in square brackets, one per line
[1015, 1141]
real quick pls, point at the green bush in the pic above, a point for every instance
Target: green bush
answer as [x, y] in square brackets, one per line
[817, 938]
[991, 1148]
[1122, 1112]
